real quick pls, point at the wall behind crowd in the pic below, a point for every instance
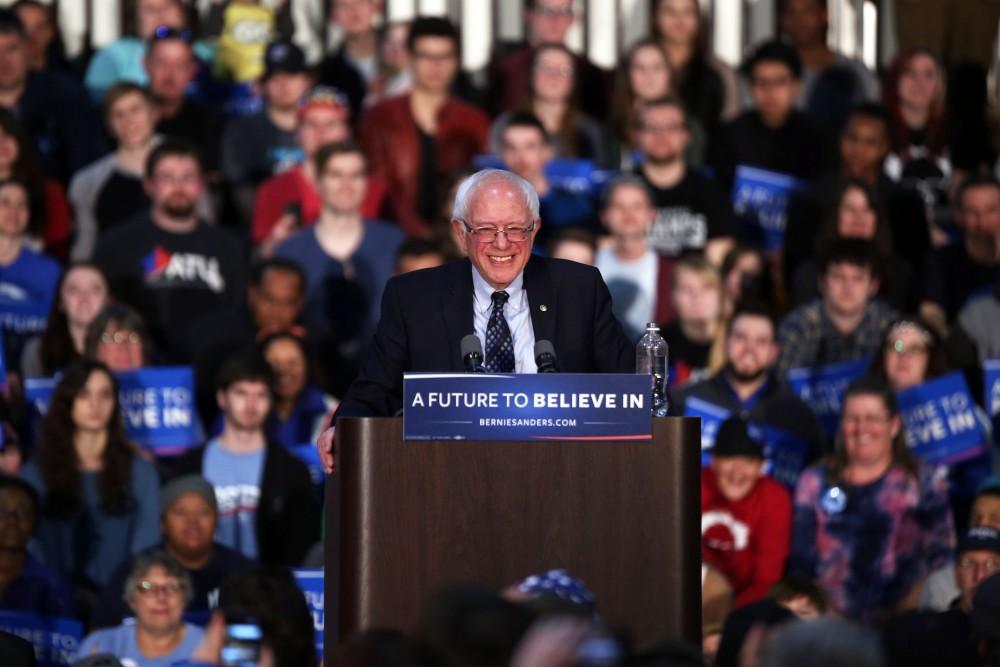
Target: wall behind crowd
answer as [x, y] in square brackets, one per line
[608, 27]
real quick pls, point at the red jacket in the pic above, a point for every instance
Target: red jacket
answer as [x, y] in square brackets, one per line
[748, 540]
[391, 141]
[292, 187]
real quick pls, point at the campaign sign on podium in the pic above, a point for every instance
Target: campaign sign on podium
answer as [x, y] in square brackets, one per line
[548, 406]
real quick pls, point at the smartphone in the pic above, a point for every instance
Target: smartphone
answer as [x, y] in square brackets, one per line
[241, 646]
[599, 652]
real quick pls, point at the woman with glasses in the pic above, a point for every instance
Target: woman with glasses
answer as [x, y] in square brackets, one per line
[118, 337]
[870, 522]
[157, 591]
[912, 353]
[99, 499]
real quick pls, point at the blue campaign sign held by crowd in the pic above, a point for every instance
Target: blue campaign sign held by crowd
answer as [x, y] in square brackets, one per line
[991, 390]
[760, 200]
[311, 580]
[157, 406]
[939, 420]
[822, 388]
[785, 455]
[56, 640]
[547, 406]
[27, 316]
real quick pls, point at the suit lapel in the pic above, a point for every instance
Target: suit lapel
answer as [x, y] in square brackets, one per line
[541, 299]
[458, 316]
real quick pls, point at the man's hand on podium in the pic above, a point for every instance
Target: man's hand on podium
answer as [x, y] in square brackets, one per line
[324, 447]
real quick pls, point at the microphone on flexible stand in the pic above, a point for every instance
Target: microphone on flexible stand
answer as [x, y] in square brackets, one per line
[545, 357]
[472, 354]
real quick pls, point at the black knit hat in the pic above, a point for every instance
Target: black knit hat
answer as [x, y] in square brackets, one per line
[733, 439]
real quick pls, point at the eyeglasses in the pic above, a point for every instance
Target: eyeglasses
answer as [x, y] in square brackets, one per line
[489, 234]
[867, 420]
[434, 57]
[149, 589]
[167, 32]
[20, 515]
[990, 565]
[553, 12]
[121, 338]
[554, 70]
[901, 348]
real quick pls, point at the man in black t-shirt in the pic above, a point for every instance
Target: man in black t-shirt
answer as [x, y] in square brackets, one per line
[171, 267]
[692, 212]
[954, 273]
[773, 135]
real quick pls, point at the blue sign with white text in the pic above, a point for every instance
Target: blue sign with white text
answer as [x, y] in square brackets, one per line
[56, 640]
[548, 406]
[822, 388]
[991, 392]
[27, 316]
[760, 200]
[310, 581]
[157, 406]
[785, 455]
[939, 420]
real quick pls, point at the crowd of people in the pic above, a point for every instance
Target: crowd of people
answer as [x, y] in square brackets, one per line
[197, 194]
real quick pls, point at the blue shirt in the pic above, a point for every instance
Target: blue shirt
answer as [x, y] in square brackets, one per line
[27, 288]
[120, 642]
[88, 544]
[331, 285]
[517, 312]
[38, 589]
[236, 478]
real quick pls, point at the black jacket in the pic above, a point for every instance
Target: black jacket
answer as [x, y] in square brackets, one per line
[287, 520]
[425, 315]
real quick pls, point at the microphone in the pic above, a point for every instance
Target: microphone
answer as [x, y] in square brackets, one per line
[545, 357]
[472, 354]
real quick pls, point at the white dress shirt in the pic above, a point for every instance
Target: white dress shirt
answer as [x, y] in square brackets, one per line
[517, 312]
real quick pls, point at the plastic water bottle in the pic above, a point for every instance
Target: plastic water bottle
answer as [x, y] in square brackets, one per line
[651, 359]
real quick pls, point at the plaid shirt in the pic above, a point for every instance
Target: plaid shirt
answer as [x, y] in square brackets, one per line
[808, 337]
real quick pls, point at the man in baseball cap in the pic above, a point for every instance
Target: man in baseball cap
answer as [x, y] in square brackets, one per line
[745, 516]
[263, 144]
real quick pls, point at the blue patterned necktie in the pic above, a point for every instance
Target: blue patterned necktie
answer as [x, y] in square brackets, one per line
[499, 345]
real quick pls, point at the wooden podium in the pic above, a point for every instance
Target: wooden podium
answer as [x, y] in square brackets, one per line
[405, 518]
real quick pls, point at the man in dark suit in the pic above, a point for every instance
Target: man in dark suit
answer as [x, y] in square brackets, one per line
[502, 293]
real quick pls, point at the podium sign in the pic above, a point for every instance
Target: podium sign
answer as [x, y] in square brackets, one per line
[551, 406]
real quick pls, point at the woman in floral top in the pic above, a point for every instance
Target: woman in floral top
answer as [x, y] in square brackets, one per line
[871, 522]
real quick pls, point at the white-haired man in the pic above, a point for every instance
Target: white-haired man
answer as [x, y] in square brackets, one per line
[505, 295]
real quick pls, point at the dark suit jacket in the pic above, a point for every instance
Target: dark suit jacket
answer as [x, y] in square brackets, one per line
[425, 315]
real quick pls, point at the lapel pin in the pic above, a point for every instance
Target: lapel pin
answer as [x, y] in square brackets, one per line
[543, 308]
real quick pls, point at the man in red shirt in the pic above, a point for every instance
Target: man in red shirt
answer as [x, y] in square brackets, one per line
[746, 517]
[289, 201]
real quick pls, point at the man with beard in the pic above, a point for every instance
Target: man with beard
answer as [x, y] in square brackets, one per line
[692, 212]
[168, 265]
[264, 495]
[748, 386]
